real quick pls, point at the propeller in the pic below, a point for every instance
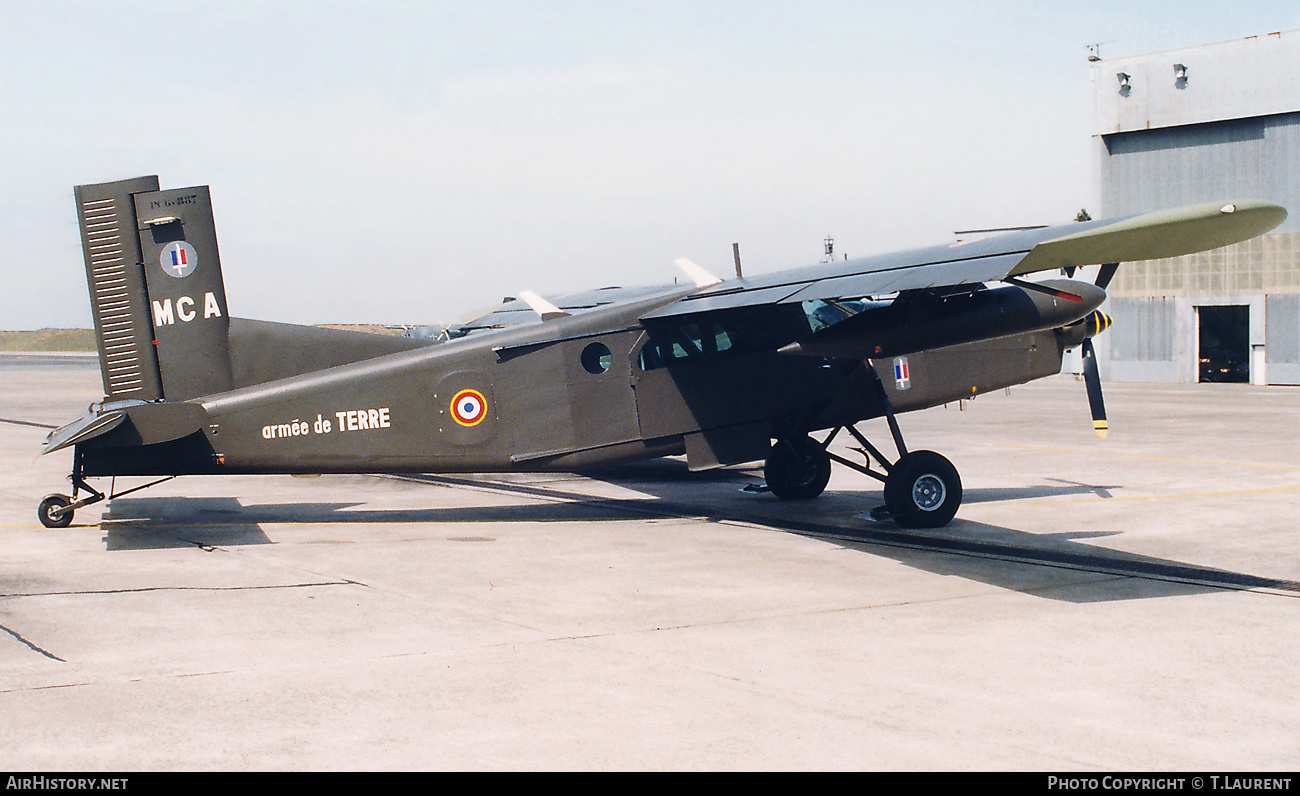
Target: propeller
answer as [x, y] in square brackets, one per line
[1092, 380]
[1097, 322]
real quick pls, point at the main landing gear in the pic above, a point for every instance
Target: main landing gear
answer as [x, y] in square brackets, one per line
[922, 488]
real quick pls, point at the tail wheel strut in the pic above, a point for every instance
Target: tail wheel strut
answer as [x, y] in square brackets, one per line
[55, 511]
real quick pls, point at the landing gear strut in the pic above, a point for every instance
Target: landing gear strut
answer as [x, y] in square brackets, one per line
[922, 488]
[55, 511]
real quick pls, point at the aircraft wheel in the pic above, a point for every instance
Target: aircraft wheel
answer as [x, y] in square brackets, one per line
[923, 490]
[797, 469]
[50, 503]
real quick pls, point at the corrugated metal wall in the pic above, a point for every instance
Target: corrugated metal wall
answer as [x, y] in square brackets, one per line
[1255, 158]
[1239, 159]
[1282, 335]
[1146, 334]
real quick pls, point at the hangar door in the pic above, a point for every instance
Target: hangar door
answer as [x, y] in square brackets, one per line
[1223, 343]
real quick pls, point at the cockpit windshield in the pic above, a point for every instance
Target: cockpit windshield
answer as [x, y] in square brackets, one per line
[824, 313]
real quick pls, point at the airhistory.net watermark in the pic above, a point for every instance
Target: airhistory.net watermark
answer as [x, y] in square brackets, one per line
[65, 783]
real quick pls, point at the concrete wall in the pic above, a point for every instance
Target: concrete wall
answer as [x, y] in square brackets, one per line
[1245, 78]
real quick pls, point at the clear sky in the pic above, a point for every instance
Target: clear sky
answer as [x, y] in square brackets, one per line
[406, 162]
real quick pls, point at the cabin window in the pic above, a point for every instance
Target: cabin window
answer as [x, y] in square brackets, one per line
[596, 358]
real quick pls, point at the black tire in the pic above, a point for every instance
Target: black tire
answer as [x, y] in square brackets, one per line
[51, 502]
[923, 490]
[797, 469]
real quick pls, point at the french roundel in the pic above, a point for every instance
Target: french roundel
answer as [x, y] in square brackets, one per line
[469, 407]
[178, 259]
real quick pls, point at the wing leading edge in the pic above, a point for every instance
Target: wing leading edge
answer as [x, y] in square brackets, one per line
[1150, 236]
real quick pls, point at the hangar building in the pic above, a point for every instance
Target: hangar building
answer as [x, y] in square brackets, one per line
[1188, 126]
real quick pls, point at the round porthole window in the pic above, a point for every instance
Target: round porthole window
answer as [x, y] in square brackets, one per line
[596, 358]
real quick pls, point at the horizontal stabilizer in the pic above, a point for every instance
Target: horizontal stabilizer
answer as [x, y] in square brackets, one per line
[87, 427]
[132, 423]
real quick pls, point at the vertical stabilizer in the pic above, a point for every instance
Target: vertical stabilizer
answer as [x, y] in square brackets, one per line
[156, 290]
[118, 301]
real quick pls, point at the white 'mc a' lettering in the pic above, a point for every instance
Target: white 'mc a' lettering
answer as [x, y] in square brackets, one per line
[164, 316]
[162, 313]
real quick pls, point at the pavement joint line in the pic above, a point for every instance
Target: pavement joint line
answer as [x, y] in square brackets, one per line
[1166, 572]
[1271, 586]
[32, 646]
[1098, 499]
[1152, 458]
[26, 423]
[88, 592]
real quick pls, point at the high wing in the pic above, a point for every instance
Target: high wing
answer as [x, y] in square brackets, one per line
[1149, 236]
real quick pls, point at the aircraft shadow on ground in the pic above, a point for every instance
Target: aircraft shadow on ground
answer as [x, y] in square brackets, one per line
[1030, 563]
[996, 555]
[152, 523]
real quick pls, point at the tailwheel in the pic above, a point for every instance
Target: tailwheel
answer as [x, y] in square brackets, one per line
[797, 468]
[54, 511]
[922, 490]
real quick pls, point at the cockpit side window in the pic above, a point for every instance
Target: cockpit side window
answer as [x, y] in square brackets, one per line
[722, 341]
[672, 346]
[689, 342]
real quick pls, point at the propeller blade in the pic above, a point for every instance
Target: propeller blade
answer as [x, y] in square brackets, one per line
[1106, 274]
[1092, 380]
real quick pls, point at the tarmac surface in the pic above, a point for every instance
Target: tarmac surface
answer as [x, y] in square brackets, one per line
[1128, 604]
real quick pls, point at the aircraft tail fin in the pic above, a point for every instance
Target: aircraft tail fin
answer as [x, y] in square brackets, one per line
[156, 292]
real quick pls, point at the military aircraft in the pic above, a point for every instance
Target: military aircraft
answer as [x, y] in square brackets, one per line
[725, 372]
